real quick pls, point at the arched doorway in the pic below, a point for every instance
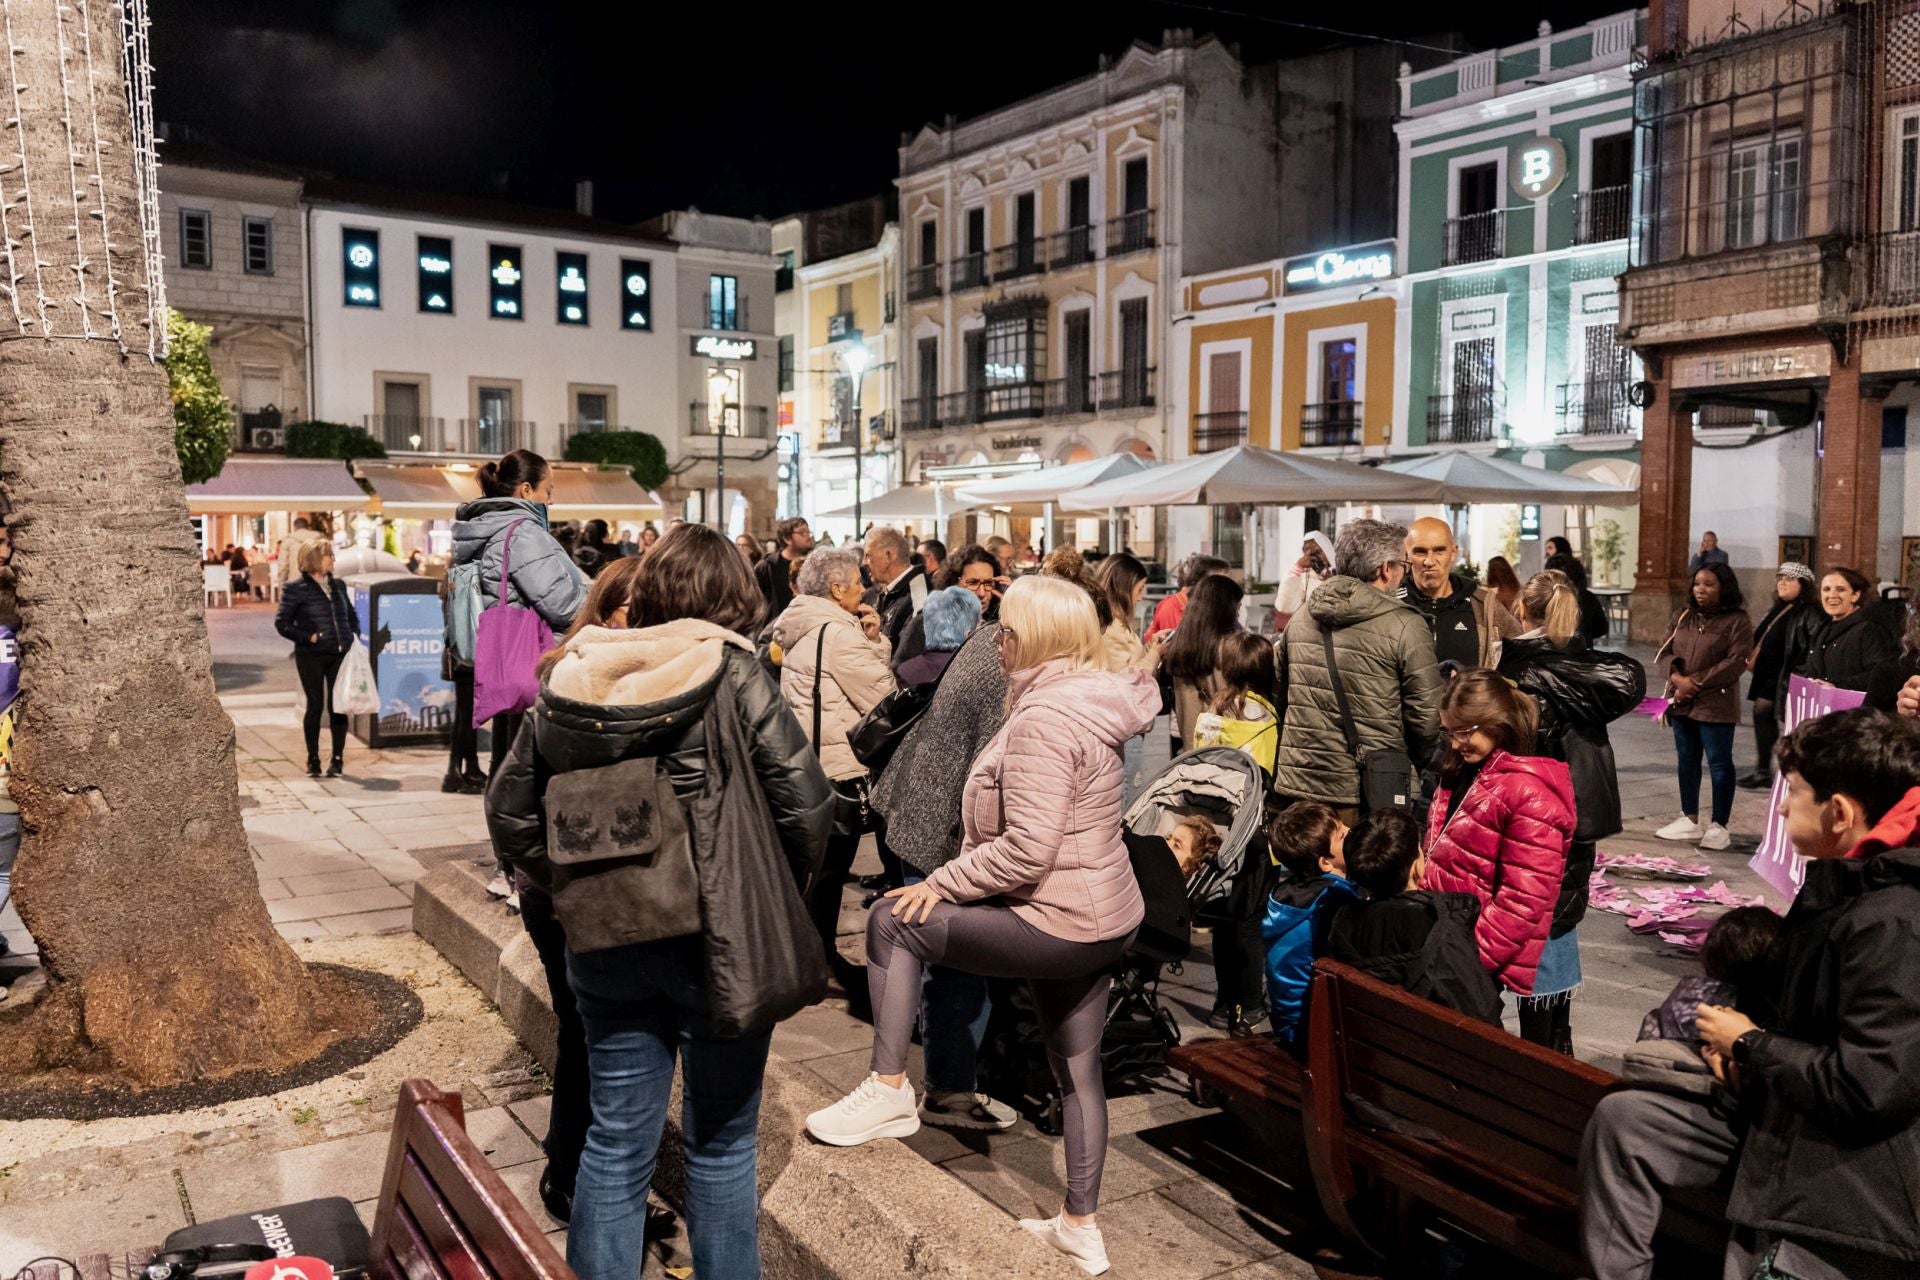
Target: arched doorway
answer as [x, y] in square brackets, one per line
[1138, 448]
[1073, 452]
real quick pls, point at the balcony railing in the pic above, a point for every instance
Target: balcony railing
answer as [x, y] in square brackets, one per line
[1892, 277]
[568, 430]
[1468, 418]
[923, 281]
[1071, 247]
[1602, 214]
[1213, 432]
[920, 414]
[492, 436]
[406, 433]
[1595, 409]
[1335, 422]
[1068, 396]
[1130, 233]
[968, 271]
[1130, 388]
[1011, 261]
[742, 421]
[959, 408]
[1476, 237]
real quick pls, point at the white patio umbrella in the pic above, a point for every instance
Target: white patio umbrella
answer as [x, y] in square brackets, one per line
[1043, 488]
[905, 502]
[1464, 478]
[367, 560]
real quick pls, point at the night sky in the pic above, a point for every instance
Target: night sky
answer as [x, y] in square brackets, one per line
[735, 109]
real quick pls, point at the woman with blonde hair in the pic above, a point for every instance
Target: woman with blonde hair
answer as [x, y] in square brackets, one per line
[1580, 691]
[317, 614]
[1042, 889]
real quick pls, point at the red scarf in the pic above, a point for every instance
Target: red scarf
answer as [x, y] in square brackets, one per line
[1894, 831]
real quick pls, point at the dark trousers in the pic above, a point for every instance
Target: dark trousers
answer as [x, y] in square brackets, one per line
[1239, 954]
[1766, 732]
[504, 728]
[823, 895]
[1690, 738]
[572, 1101]
[465, 756]
[317, 671]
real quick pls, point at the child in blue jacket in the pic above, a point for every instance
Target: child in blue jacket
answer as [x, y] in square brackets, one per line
[1310, 843]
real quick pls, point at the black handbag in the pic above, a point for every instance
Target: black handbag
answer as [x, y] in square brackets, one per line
[622, 856]
[1387, 779]
[764, 962]
[882, 730]
[851, 814]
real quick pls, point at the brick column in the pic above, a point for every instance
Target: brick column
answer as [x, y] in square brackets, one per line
[1850, 477]
[1666, 509]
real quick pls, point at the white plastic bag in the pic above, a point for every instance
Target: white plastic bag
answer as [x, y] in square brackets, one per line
[354, 693]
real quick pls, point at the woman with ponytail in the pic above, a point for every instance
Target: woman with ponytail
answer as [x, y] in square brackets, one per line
[1580, 691]
[1500, 829]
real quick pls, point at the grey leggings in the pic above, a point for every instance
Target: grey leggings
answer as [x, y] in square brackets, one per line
[995, 943]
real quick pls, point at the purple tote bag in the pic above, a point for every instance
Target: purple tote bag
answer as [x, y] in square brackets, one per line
[507, 649]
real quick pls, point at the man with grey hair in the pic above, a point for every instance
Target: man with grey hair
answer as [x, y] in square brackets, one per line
[899, 582]
[1384, 655]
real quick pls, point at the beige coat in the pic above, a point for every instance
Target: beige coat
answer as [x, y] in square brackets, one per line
[857, 676]
[1122, 649]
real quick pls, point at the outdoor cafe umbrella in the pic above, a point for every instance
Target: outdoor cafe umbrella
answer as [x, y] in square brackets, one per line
[1044, 487]
[1465, 478]
[902, 503]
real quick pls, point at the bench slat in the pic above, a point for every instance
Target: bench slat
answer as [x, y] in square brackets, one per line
[435, 1221]
[1522, 1114]
[1252, 1068]
[406, 1251]
[493, 1216]
[1467, 1042]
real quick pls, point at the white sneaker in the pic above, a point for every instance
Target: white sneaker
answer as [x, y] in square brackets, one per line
[1082, 1244]
[1716, 838]
[500, 887]
[874, 1110]
[967, 1111]
[1681, 828]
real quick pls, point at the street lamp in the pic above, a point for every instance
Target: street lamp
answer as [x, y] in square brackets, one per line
[855, 360]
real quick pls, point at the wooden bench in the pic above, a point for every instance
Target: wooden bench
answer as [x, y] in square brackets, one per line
[444, 1214]
[1400, 1094]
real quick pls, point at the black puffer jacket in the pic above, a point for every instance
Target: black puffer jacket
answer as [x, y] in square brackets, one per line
[1803, 632]
[307, 610]
[1835, 1153]
[1422, 942]
[619, 695]
[1771, 641]
[1846, 652]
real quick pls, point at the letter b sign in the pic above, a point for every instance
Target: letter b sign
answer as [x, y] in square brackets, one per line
[1538, 166]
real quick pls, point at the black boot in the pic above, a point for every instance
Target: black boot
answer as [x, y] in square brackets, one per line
[456, 783]
[313, 765]
[336, 767]
[558, 1202]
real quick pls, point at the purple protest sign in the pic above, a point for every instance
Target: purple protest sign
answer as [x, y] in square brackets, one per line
[1777, 863]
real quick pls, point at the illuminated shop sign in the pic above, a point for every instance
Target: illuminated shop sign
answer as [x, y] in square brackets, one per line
[360, 266]
[636, 293]
[723, 348]
[570, 274]
[503, 270]
[1539, 166]
[433, 258]
[1361, 264]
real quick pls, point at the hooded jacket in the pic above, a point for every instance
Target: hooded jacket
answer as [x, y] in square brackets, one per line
[1507, 846]
[1846, 653]
[544, 578]
[1299, 911]
[1835, 1152]
[856, 677]
[1421, 942]
[618, 695]
[1044, 800]
[1385, 654]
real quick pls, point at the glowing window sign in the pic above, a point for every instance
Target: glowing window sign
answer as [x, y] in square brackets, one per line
[503, 294]
[1539, 166]
[716, 348]
[433, 264]
[570, 276]
[1360, 264]
[636, 293]
[360, 266]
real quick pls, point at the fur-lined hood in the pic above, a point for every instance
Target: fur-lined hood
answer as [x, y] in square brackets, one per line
[637, 668]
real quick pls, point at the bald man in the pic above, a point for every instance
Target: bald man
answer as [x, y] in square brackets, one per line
[1468, 622]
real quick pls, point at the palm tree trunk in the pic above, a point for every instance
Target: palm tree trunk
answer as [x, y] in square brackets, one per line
[135, 876]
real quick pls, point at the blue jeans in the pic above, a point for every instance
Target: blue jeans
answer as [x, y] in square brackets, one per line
[1689, 738]
[641, 1004]
[9, 850]
[953, 1019]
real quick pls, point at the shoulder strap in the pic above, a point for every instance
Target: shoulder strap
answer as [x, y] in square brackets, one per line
[1340, 695]
[506, 557]
[819, 665]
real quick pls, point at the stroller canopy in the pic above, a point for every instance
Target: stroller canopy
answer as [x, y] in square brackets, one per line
[1222, 785]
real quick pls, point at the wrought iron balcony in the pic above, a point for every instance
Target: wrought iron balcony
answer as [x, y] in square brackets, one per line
[1130, 233]
[493, 437]
[731, 319]
[1892, 275]
[1596, 409]
[1476, 237]
[1129, 388]
[1072, 247]
[408, 433]
[1467, 418]
[1213, 432]
[741, 421]
[923, 281]
[962, 408]
[922, 413]
[1068, 396]
[1602, 214]
[968, 271]
[1026, 258]
[1334, 422]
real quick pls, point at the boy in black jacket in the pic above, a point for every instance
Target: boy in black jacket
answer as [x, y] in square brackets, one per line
[1417, 939]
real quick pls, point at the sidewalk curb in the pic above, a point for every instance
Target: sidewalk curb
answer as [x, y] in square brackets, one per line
[876, 1212]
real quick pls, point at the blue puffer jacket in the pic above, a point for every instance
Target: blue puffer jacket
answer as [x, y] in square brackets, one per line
[1299, 911]
[543, 577]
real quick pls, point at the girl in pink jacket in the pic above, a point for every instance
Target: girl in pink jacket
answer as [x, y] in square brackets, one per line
[1042, 889]
[1499, 829]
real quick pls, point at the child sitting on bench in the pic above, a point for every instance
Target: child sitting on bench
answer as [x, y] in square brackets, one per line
[1418, 939]
[1310, 843]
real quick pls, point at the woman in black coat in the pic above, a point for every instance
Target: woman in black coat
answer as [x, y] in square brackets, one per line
[1856, 640]
[1784, 635]
[317, 614]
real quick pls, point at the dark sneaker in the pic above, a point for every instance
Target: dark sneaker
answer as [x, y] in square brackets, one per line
[1756, 781]
[967, 1111]
[1223, 1019]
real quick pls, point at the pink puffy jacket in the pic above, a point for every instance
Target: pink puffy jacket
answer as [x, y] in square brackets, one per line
[1044, 801]
[1507, 846]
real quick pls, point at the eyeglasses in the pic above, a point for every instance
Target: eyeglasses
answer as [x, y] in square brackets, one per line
[1007, 635]
[1462, 735]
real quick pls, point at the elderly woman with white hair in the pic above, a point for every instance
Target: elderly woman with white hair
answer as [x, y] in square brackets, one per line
[948, 618]
[834, 668]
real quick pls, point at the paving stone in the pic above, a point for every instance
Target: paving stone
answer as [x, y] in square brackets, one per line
[397, 920]
[495, 1132]
[302, 930]
[820, 1031]
[350, 1167]
[533, 1115]
[116, 1220]
[1148, 1235]
[1029, 1179]
[353, 902]
[393, 865]
[524, 1181]
[272, 890]
[334, 882]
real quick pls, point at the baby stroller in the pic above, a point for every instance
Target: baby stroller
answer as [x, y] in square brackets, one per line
[1222, 785]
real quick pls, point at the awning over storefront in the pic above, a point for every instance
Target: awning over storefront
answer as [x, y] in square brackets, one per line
[429, 491]
[586, 494]
[255, 486]
[1470, 478]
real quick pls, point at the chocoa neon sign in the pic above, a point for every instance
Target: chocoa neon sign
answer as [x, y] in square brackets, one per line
[1336, 267]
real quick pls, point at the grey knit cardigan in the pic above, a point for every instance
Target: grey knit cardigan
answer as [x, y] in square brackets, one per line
[918, 793]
